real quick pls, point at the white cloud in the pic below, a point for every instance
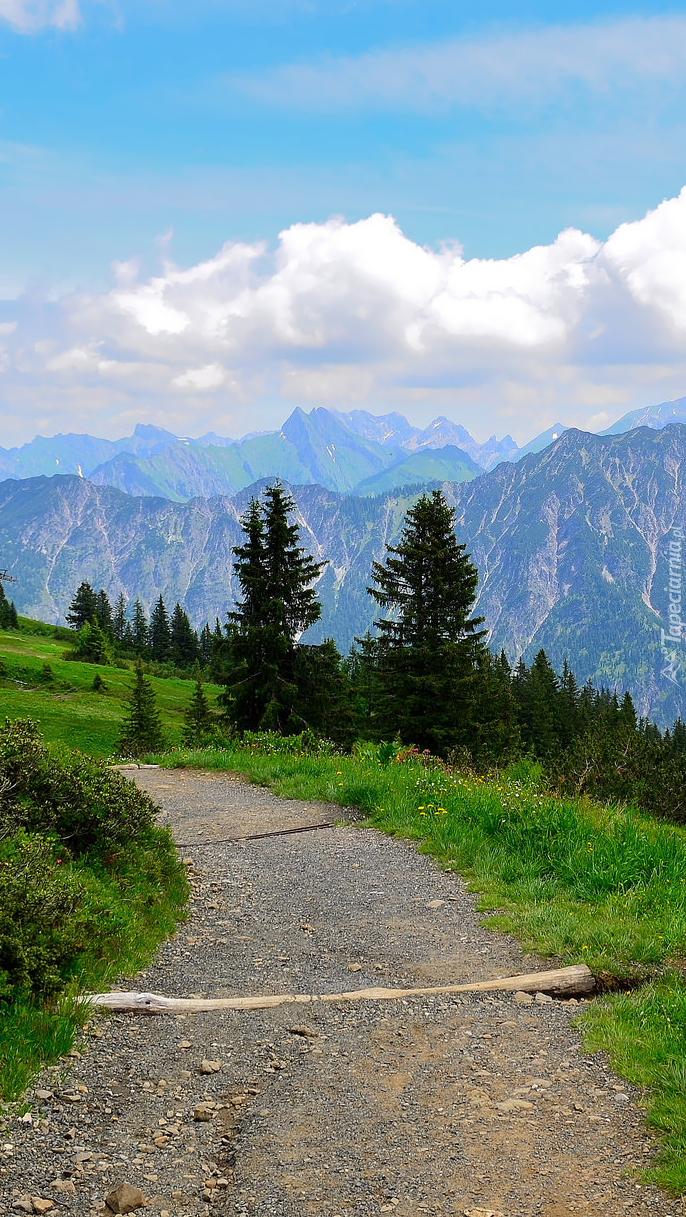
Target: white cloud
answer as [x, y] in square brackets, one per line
[209, 377]
[29, 16]
[357, 313]
[650, 256]
[495, 69]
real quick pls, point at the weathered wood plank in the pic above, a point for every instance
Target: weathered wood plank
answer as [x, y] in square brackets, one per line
[561, 982]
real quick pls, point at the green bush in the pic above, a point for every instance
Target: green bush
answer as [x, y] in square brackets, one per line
[42, 910]
[623, 765]
[66, 795]
[88, 887]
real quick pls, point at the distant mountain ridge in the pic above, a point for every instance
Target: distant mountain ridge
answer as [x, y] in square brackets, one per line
[355, 452]
[571, 545]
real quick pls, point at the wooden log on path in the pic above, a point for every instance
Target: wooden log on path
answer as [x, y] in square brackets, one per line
[562, 982]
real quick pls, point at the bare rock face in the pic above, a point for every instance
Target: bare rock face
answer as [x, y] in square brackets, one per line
[125, 1198]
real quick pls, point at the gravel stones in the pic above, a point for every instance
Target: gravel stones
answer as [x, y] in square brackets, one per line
[393, 1106]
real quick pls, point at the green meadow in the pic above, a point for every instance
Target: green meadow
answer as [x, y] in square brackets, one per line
[63, 701]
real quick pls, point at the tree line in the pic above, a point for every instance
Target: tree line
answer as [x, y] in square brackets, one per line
[424, 678]
[104, 630]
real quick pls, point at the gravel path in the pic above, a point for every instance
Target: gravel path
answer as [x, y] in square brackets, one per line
[475, 1104]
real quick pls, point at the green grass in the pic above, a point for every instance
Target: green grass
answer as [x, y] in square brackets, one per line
[571, 879]
[31, 1037]
[69, 710]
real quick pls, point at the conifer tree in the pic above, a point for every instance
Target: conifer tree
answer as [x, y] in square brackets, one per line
[8, 612]
[496, 730]
[539, 707]
[627, 714]
[119, 622]
[678, 744]
[205, 644]
[92, 644]
[159, 634]
[568, 705]
[142, 730]
[325, 696]
[139, 630]
[429, 648]
[103, 612]
[83, 608]
[198, 719]
[278, 602]
[183, 640]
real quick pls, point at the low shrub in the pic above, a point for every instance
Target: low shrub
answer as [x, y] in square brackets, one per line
[624, 765]
[60, 793]
[42, 910]
[88, 887]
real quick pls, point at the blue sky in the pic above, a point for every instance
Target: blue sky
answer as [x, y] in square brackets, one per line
[154, 132]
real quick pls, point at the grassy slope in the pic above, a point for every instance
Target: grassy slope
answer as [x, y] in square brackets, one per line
[70, 711]
[571, 879]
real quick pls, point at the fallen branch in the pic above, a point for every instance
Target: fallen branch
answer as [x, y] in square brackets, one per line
[562, 982]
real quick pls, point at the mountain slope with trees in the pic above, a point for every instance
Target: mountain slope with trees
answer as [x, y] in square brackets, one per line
[570, 545]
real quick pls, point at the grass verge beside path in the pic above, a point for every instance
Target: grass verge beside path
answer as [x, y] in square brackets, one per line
[569, 878]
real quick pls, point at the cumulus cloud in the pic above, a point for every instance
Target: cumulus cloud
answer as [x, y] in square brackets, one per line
[493, 69]
[343, 313]
[209, 377]
[29, 16]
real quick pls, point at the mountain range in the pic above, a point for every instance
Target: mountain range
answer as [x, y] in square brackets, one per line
[344, 452]
[571, 544]
[355, 452]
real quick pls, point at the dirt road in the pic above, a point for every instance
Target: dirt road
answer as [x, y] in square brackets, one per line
[474, 1104]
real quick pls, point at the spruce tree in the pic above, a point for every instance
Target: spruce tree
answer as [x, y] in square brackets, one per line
[539, 707]
[205, 644]
[119, 622]
[92, 644]
[103, 612]
[627, 714]
[278, 602]
[159, 634]
[496, 732]
[428, 650]
[5, 611]
[83, 608]
[142, 730]
[139, 630]
[325, 696]
[183, 640]
[198, 719]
